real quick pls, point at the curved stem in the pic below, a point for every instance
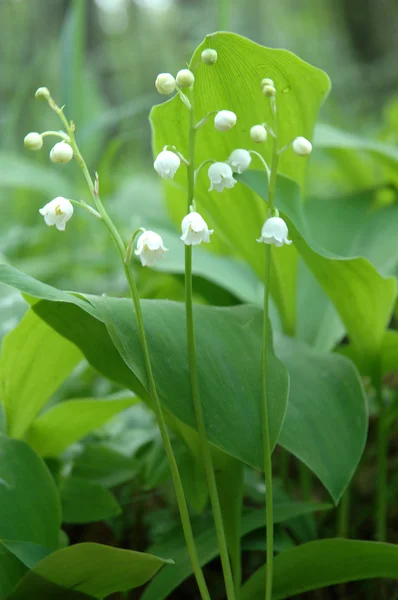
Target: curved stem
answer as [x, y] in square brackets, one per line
[264, 405]
[59, 134]
[193, 371]
[179, 490]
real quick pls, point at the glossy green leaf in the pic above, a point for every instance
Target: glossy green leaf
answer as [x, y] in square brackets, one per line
[31, 509]
[86, 501]
[29, 554]
[326, 420]
[233, 83]
[389, 354]
[363, 298]
[34, 361]
[65, 423]
[230, 376]
[93, 569]
[324, 563]
[11, 571]
[34, 585]
[101, 464]
[206, 543]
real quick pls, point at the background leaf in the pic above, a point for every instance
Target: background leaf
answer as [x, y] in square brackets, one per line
[329, 562]
[86, 501]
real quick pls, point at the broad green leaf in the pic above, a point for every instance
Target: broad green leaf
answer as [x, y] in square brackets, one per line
[326, 420]
[31, 509]
[389, 354]
[92, 569]
[329, 137]
[34, 361]
[104, 465]
[38, 587]
[324, 563]
[11, 571]
[65, 423]
[363, 298]
[230, 376]
[29, 554]
[86, 501]
[20, 172]
[225, 375]
[206, 542]
[233, 83]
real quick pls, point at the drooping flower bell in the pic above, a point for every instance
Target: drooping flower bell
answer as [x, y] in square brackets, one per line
[239, 160]
[195, 230]
[61, 153]
[165, 83]
[275, 232]
[57, 212]
[166, 164]
[150, 248]
[224, 120]
[302, 146]
[221, 176]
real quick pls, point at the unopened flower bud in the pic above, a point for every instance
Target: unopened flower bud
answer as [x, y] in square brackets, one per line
[269, 91]
[150, 248]
[33, 141]
[267, 81]
[275, 232]
[195, 230]
[165, 83]
[258, 133]
[302, 146]
[185, 78]
[221, 176]
[57, 212]
[166, 164]
[239, 160]
[42, 93]
[224, 120]
[209, 56]
[61, 153]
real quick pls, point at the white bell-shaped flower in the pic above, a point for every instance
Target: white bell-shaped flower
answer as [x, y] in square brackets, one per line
[224, 120]
[275, 231]
[221, 176]
[195, 230]
[150, 248]
[302, 146]
[239, 160]
[57, 212]
[166, 164]
[61, 153]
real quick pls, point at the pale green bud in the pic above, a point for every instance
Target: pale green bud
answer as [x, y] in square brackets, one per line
[185, 78]
[209, 56]
[258, 134]
[165, 84]
[42, 93]
[61, 153]
[267, 81]
[269, 91]
[33, 141]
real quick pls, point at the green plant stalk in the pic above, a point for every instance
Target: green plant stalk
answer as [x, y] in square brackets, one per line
[223, 14]
[264, 404]
[194, 376]
[121, 248]
[382, 465]
[305, 482]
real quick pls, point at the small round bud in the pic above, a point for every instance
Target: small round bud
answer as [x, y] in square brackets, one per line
[209, 56]
[42, 93]
[258, 134]
[267, 81]
[185, 78]
[33, 141]
[61, 153]
[302, 146]
[165, 84]
[269, 91]
[224, 120]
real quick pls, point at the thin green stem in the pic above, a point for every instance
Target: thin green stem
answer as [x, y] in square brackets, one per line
[179, 490]
[264, 404]
[223, 14]
[382, 465]
[284, 460]
[305, 482]
[194, 376]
